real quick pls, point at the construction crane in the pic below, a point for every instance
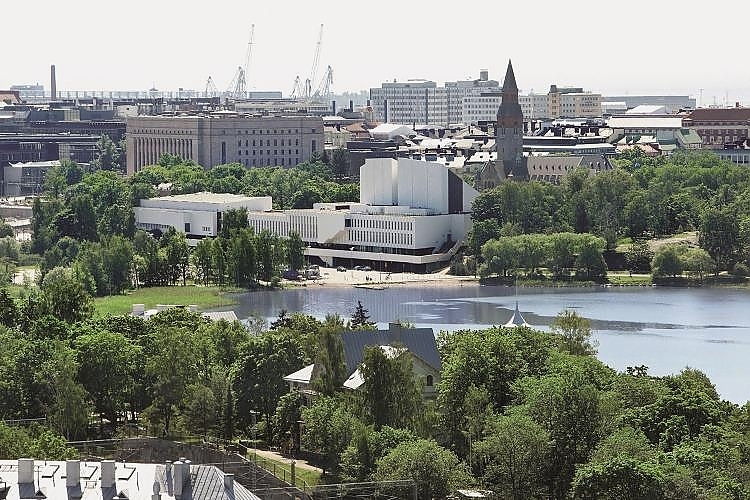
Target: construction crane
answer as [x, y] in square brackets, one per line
[249, 52]
[236, 89]
[297, 90]
[314, 69]
[324, 90]
[211, 90]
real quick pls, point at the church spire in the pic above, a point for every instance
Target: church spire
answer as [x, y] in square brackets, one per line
[509, 84]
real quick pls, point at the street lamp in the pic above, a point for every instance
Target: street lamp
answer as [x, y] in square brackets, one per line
[253, 417]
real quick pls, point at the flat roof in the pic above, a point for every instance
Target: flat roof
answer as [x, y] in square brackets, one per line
[205, 197]
[645, 122]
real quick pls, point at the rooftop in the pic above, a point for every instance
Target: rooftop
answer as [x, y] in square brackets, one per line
[109, 480]
[204, 197]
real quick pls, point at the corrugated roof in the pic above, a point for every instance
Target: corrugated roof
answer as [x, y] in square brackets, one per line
[420, 341]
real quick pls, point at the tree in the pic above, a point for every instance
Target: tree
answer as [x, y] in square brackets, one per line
[295, 251]
[367, 446]
[233, 219]
[65, 297]
[203, 260]
[340, 163]
[719, 235]
[328, 429]
[360, 318]
[390, 394]
[567, 405]
[619, 479]
[697, 260]
[106, 369]
[259, 375]
[108, 154]
[286, 420]
[575, 332]
[330, 363]
[667, 261]
[638, 257]
[172, 367]
[513, 456]
[590, 257]
[8, 309]
[437, 471]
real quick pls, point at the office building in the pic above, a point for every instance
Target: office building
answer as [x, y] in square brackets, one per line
[224, 137]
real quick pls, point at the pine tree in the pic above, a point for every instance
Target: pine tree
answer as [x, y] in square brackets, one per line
[360, 319]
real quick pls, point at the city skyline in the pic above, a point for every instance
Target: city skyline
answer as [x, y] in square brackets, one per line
[646, 48]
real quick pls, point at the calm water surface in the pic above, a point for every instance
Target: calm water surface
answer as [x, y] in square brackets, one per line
[666, 329]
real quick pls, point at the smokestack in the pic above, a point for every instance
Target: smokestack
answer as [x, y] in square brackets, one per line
[333, 107]
[53, 83]
[351, 106]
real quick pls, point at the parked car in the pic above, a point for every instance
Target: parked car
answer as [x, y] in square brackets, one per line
[366, 268]
[341, 269]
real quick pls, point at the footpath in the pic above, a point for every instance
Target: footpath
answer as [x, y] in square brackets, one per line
[272, 455]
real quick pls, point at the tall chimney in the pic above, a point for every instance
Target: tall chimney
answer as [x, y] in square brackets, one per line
[53, 84]
[333, 107]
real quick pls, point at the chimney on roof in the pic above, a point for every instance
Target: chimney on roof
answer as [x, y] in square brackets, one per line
[25, 470]
[177, 479]
[53, 83]
[72, 473]
[333, 107]
[484, 75]
[229, 481]
[351, 106]
[737, 104]
[108, 473]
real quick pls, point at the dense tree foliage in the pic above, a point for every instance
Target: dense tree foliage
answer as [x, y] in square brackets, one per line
[642, 197]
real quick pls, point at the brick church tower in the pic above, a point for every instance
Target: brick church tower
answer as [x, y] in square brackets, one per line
[509, 129]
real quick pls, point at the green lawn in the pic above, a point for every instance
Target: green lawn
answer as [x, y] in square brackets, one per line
[205, 297]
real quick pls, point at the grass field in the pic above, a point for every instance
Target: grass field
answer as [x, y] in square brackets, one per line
[201, 296]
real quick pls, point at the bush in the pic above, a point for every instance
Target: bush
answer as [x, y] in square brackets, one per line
[741, 270]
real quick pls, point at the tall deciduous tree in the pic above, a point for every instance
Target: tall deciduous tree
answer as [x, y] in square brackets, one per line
[390, 394]
[575, 333]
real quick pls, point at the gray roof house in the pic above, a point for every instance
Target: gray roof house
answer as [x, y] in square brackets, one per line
[419, 343]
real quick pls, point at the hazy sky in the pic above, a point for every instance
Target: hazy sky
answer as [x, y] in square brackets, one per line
[635, 47]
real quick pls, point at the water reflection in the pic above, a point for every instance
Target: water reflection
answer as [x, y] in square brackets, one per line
[666, 329]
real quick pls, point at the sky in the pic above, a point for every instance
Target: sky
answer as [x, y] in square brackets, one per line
[635, 47]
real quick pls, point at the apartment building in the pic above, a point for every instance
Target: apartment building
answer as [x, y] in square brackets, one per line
[223, 137]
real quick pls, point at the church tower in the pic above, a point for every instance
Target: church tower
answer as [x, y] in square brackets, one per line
[509, 128]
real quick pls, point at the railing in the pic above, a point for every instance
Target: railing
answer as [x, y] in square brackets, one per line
[273, 467]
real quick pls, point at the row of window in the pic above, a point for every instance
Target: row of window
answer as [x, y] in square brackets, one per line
[283, 162]
[268, 142]
[268, 152]
[392, 225]
[380, 237]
